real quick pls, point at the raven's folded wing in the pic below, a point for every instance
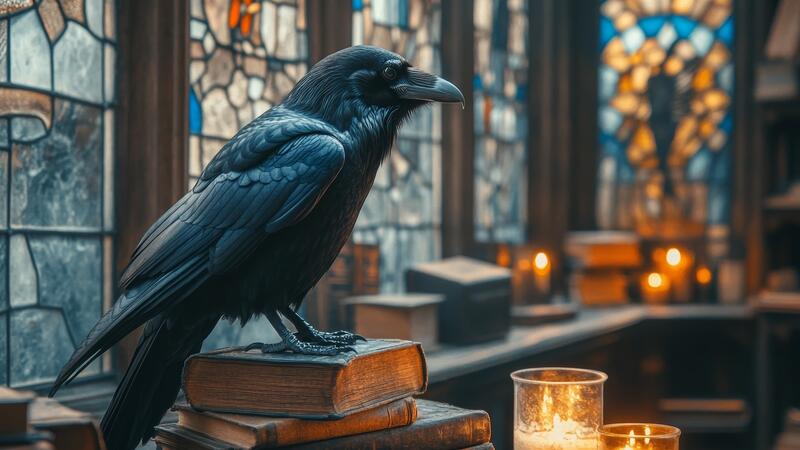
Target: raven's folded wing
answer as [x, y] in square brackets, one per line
[212, 228]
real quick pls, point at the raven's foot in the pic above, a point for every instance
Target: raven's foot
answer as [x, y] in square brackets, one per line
[307, 333]
[297, 346]
[329, 337]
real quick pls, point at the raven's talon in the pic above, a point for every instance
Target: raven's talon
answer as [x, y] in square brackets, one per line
[307, 348]
[330, 337]
[267, 348]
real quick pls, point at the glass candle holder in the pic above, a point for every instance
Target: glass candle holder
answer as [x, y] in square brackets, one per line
[638, 436]
[557, 408]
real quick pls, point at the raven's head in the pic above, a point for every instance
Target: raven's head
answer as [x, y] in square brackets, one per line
[362, 80]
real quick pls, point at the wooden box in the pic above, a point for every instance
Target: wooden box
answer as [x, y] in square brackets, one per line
[477, 297]
[412, 317]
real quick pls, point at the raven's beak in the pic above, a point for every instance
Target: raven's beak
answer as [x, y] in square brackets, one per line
[428, 88]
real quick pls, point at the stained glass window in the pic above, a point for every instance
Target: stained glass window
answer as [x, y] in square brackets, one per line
[402, 213]
[665, 118]
[245, 56]
[57, 86]
[500, 84]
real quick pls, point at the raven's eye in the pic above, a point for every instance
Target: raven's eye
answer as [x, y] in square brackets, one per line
[389, 73]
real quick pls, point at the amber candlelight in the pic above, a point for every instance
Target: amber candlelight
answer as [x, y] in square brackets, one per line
[541, 272]
[655, 287]
[639, 436]
[557, 408]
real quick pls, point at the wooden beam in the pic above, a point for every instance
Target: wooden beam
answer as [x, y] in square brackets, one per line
[151, 121]
[330, 27]
[458, 138]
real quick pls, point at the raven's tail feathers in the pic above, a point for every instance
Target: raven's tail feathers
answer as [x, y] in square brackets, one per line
[152, 380]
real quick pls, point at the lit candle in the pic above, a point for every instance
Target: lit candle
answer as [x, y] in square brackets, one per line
[703, 276]
[639, 436]
[676, 264]
[557, 408]
[541, 273]
[655, 288]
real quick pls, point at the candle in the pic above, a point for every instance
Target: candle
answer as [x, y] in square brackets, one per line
[655, 288]
[639, 436]
[557, 408]
[676, 264]
[541, 273]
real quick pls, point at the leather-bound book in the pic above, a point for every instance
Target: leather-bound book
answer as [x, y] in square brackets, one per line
[71, 429]
[248, 431]
[302, 386]
[438, 426]
[14, 411]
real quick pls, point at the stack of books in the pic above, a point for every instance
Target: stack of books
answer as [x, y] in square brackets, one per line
[362, 399]
[601, 262]
[30, 422]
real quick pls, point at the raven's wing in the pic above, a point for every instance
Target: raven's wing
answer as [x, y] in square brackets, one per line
[240, 200]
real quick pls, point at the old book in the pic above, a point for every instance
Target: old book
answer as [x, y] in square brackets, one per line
[70, 428]
[599, 288]
[403, 316]
[438, 426]
[293, 385]
[14, 410]
[477, 297]
[603, 249]
[248, 431]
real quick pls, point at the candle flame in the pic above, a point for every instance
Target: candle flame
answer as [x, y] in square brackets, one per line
[647, 435]
[631, 439]
[674, 257]
[654, 280]
[541, 261]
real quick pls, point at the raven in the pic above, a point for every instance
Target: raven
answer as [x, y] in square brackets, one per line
[263, 223]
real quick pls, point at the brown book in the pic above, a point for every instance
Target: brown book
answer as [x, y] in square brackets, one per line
[14, 410]
[71, 429]
[403, 316]
[438, 426]
[302, 386]
[266, 432]
[599, 288]
[603, 249]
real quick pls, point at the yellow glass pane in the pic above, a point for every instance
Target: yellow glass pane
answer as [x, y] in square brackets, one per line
[717, 57]
[625, 20]
[716, 14]
[613, 8]
[639, 78]
[652, 53]
[643, 113]
[715, 99]
[682, 7]
[615, 55]
[685, 50]
[717, 140]
[673, 66]
[686, 129]
[703, 79]
[643, 138]
[706, 128]
[625, 103]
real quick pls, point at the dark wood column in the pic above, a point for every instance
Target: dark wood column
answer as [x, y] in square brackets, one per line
[152, 124]
[458, 138]
[330, 27]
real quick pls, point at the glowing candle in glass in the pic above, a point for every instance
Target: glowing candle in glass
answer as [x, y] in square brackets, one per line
[557, 408]
[638, 436]
[541, 273]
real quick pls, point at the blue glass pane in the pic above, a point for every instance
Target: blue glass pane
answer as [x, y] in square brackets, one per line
[195, 114]
[650, 25]
[607, 31]
[357, 5]
[725, 32]
[683, 26]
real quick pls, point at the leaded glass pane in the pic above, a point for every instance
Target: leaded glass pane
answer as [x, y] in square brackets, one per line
[402, 213]
[500, 87]
[245, 56]
[665, 118]
[56, 170]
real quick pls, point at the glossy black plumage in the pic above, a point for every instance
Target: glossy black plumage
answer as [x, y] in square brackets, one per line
[264, 222]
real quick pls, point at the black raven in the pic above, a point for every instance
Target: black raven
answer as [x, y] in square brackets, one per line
[264, 222]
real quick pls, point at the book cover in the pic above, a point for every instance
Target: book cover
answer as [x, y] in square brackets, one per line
[293, 385]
